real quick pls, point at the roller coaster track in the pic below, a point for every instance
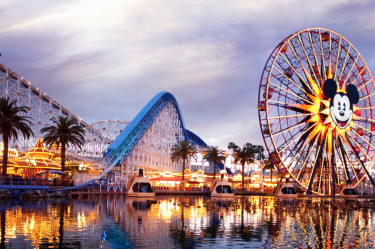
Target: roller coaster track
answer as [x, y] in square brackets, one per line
[123, 145]
[42, 108]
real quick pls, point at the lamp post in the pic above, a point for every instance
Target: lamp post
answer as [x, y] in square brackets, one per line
[82, 167]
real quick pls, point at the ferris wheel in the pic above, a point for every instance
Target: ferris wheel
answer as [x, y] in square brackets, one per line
[315, 108]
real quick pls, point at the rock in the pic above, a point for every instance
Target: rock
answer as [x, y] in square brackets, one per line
[5, 194]
[57, 194]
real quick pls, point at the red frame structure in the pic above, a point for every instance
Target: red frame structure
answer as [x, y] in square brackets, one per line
[294, 113]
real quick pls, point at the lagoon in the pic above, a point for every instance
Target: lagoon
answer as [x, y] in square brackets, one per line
[188, 222]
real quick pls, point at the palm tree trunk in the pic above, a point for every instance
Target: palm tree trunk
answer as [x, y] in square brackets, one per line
[63, 159]
[214, 170]
[5, 154]
[243, 175]
[183, 174]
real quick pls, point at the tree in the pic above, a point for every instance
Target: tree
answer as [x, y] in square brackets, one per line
[214, 155]
[181, 152]
[64, 131]
[260, 156]
[268, 165]
[259, 153]
[12, 122]
[233, 146]
[243, 155]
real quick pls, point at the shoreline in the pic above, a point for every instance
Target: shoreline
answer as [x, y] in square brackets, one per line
[56, 192]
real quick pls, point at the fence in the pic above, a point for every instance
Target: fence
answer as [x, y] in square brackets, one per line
[365, 188]
[18, 181]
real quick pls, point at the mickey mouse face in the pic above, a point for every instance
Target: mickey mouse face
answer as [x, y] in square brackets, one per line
[341, 105]
[340, 110]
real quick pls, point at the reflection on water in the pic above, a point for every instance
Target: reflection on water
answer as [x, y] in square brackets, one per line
[188, 222]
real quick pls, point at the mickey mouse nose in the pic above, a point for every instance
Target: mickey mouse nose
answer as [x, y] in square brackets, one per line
[342, 113]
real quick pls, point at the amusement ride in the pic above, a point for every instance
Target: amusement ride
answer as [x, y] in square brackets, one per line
[315, 111]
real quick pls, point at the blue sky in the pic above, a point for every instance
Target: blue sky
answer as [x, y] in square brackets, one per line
[107, 59]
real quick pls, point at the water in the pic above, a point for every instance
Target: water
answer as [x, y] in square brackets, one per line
[188, 222]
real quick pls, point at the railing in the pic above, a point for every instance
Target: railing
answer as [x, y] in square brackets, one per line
[23, 181]
[365, 188]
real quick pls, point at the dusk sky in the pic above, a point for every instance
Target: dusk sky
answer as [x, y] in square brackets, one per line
[107, 59]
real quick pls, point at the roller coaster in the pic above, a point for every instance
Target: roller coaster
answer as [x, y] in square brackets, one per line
[145, 142]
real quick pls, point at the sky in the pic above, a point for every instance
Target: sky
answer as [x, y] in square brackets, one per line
[106, 59]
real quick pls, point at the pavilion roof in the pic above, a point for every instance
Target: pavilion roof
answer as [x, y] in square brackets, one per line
[40, 164]
[39, 149]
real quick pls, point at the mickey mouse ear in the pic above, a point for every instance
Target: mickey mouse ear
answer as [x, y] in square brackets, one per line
[330, 88]
[352, 92]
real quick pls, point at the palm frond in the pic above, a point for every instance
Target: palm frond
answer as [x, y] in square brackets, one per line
[13, 123]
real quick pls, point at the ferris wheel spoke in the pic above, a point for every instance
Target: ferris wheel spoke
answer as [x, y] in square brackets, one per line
[367, 96]
[364, 84]
[344, 64]
[290, 80]
[357, 157]
[320, 185]
[286, 106]
[290, 116]
[357, 145]
[310, 150]
[340, 152]
[367, 121]
[350, 70]
[337, 177]
[298, 75]
[322, 53]
[316, 61]
[325, 171]
[317, 161]
[351, 163]
[291, 93]
[337, 59]
[366, 108]
[359, 160]
[363, 69]
[298, 160]
[361, 137]
[306, 56]
[297, 57]
[314, 57]
[294, 140]
[288, 129]
[330, 50]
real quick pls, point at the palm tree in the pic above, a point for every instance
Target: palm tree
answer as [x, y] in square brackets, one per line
[259, 153]
[269, 165]
[11, 123]
[181, 152]
[214, 155]
[63, 132]
[260, 156]
[243, 155]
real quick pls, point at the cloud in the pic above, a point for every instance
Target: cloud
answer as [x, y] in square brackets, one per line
[107, 59]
